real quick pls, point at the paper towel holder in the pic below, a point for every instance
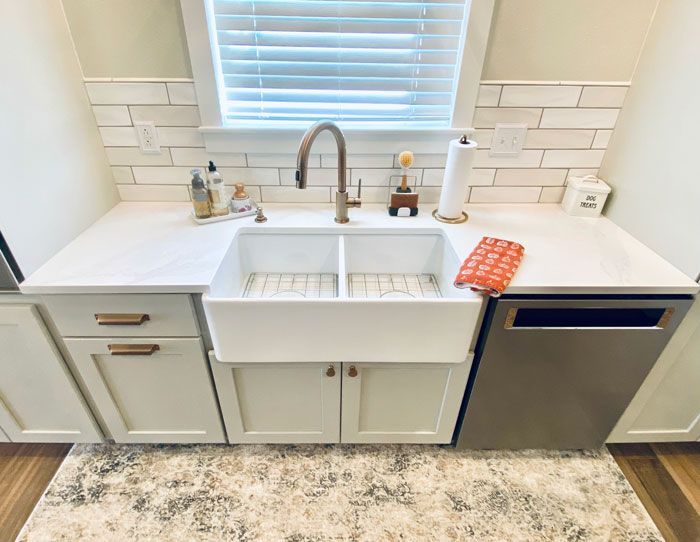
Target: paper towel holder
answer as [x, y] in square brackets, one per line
[458, 220]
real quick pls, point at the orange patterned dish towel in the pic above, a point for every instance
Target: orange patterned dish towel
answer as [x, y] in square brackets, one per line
[491, 266]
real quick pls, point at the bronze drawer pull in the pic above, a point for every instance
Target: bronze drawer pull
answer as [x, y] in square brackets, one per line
[330, 372]
[133, 349]
[106, 319]
[352, 371]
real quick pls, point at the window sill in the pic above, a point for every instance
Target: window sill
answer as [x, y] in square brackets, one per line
[285, 140]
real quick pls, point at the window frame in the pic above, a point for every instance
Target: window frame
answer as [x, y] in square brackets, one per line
[199, 25]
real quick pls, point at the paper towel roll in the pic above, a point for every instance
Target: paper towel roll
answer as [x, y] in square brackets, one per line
[455, 184]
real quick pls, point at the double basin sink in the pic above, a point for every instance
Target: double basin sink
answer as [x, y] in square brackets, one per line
[297, 295]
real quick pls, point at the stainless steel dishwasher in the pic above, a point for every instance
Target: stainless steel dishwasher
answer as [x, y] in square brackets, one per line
[558, 373]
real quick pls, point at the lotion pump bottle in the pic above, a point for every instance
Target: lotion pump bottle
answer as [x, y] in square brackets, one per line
[217, 192]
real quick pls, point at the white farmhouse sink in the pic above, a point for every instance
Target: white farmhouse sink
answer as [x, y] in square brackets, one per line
[362, 296]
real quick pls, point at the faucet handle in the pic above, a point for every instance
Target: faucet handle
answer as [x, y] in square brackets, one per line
[359, 188]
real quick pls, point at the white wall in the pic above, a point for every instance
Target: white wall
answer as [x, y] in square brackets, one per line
[55, 179]
[651, 161]
[129, 38]
[567, 40]
[547, 40]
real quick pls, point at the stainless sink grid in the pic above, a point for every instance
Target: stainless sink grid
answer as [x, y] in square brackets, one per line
[393, 285]
[310, 285]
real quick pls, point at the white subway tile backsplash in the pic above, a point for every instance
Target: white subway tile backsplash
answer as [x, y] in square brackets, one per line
[601, 139]
[179, 137]
[569, 127]
[182, 93]
[488, 95]
[162, 175]
[127, 93]
[552, 194]
[483, 137]
[315, 177]
[122, 174]
[603, 96]
[478, 177]
[291, 194]
[505, 194]
[141, 192]
[166, 115]
[530, 177]
[526, 158]
[430, 194]
[425, 160]
[383, 177]
[572, 158]
[132, 156]
[488, 117]
[359, 160]
[119, 136]
[579, 118]
[112, 115]
[539, 96]
[256, 176]
[200, 158]
[280, 160]
[559, 139]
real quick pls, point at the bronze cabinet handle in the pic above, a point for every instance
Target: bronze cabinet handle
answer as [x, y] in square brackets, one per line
[105, 319]
[352, 371]
[133, 349]
[330, 371]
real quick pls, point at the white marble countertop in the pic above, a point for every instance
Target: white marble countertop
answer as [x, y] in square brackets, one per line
[157, 248]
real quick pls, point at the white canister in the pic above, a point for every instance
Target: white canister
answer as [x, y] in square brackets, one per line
[585, 196]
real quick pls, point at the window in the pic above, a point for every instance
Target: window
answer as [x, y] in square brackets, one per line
[353, 61]
[394, 73]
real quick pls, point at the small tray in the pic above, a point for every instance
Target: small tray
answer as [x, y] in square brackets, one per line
[230, 216]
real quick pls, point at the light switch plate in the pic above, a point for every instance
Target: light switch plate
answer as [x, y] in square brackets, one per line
[508, 139]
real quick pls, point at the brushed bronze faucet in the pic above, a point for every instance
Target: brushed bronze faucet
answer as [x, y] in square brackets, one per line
[342, 201]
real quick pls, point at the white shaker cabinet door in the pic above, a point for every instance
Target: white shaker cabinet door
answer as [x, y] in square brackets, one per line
[667, 406]
[39, 400]
[402, 402]
[150, 390]
[279, 402]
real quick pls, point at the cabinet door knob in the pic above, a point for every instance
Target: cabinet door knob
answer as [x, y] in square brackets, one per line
[330, 371]
[352, 371]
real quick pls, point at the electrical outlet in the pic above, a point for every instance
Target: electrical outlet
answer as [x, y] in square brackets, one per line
[148, 137]
[508, 139]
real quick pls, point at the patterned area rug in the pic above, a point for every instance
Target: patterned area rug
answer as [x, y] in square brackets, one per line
[331, 493]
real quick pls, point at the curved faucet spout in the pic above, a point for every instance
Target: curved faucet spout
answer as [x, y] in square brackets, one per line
[342, 199]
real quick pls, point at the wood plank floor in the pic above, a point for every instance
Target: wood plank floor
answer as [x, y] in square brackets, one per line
[25, 471]
[666, 477]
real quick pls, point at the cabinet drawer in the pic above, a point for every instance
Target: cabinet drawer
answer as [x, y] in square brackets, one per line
[123, 315]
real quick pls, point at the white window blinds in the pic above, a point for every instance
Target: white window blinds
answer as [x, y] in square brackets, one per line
[355, 61]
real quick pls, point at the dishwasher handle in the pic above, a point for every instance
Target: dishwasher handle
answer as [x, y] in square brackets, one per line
[588, 318]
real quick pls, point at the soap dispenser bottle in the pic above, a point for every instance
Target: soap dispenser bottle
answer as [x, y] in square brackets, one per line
[217, 192]
[200, 195]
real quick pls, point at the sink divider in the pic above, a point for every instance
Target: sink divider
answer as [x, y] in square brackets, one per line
[342, 271]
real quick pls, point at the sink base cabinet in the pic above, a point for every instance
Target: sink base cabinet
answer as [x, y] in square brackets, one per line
[330, 403]
[279, 402]
[147, 394]
[39, 400]
[402, 403]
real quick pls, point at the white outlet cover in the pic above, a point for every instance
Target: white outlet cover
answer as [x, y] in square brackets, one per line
[148, 137]
[508, 139]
